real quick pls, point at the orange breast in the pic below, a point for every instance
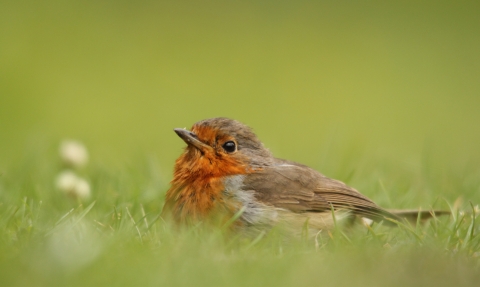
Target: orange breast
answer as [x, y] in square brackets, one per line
[197, 187]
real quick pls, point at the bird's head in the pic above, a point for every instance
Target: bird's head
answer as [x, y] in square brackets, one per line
[220, 147]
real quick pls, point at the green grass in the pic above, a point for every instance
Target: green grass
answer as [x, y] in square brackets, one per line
[118, 238]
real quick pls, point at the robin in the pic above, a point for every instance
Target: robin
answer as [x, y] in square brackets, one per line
[226, 170]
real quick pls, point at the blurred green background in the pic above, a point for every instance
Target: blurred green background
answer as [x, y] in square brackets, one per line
[390, 80]
[382, 95]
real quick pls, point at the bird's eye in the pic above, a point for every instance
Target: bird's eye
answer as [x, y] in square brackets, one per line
[229, 146]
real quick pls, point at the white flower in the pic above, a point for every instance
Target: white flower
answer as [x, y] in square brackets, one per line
[367, 221]
[66, 181]
[73, 153]
[72, 185]
[82, 189]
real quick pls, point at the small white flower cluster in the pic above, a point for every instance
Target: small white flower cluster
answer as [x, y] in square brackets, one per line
[74, 155]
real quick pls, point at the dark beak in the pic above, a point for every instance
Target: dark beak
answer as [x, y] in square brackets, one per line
[191, 139]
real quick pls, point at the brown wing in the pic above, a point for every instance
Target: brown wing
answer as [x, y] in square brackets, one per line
[301, 189]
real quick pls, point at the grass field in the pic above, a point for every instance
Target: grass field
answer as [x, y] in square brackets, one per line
[117, 238]
[382, 96]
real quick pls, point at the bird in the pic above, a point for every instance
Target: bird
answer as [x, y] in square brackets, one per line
[226, 172]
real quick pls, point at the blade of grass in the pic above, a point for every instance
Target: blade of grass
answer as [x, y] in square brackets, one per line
[471, 229]
[134, 224]
[234, 218]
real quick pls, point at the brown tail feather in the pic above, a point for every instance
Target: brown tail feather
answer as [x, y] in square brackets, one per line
[412, 214]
